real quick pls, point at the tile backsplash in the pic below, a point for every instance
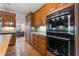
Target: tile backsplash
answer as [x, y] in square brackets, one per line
[33, 29]
[41, 29]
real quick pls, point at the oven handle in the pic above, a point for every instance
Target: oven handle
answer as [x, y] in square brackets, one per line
[58, 15]
[60, 38]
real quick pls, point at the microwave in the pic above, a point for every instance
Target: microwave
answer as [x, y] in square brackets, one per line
[61, 21]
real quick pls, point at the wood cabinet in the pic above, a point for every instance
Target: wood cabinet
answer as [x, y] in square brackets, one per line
[8, 18]
[5, 17]
[37, 18]
[39, 43]
[32, 40]
[43, 15]
[50, 6]
[40, 17]
[31, 18]
[36, 39]
[42, 44]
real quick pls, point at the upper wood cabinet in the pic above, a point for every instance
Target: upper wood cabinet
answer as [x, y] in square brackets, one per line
[9, 19]
[37, 19]
[50, 6]
[40, 17]
[31, 18]
[43, 15]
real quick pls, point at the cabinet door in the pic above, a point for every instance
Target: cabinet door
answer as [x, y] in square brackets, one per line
[13, 19]
[43, 16]
[0, 13]
[38, 20]
[42, 44]
[36, 42]
[32, 40]
[5, 18]
[39, 17]
[35, 19]
[31, 16]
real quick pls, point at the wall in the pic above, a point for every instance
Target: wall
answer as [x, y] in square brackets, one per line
[20, 21]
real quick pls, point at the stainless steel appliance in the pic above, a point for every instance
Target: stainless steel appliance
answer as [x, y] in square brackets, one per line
[0, 24]
[60, 32]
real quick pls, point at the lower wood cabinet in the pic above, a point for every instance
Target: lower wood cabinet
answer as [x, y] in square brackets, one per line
[36, 42]
[31, 40]
[42, 44]
[39, 43]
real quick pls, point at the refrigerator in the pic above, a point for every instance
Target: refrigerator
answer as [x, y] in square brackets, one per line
[27, 29]
[0, 24]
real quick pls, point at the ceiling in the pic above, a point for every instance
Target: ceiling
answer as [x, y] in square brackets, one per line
[23, 8]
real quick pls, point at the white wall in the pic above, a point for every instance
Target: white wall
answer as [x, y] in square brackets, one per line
[0, 5]
[20, 17]
[20, 21]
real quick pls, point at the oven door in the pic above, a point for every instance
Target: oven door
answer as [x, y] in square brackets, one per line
[58, 45]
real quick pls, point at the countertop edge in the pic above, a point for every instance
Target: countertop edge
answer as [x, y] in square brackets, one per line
[39, 33]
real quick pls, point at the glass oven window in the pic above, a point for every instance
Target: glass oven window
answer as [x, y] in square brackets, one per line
[57, 45]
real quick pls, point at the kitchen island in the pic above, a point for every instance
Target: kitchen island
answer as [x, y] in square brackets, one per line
[5, 39]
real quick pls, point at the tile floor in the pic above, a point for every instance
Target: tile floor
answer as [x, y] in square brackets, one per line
[22, 48]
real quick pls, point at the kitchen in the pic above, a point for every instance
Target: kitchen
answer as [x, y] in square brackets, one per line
[50, 30]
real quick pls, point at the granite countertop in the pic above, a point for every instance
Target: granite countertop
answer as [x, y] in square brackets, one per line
[7, 32]
[39, 33]
[4, 42]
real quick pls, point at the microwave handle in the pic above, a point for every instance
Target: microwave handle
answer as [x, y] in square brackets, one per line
[69, 16]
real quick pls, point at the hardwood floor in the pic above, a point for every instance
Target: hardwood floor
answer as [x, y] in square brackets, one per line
[22, 48]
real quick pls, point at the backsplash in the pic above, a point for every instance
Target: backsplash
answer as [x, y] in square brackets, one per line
[33, 29]
[41, 29]
[8, 29]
